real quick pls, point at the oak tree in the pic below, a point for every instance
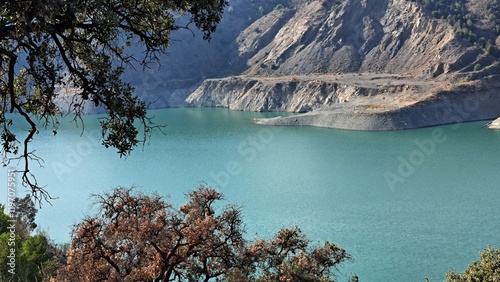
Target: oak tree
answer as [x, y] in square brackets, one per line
[55, 48]
[487, 269]
[140, 237]
[135, 237]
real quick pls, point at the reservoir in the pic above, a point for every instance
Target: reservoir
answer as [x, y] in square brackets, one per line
[405, 204]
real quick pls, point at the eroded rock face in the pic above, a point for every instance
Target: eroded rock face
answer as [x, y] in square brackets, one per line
[257, 95]
[307, 93]
[366, 40]
[461, 103]
[358, 36]
[260, 33]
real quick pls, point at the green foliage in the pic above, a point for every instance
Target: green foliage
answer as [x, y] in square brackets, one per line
[487, 269]
[32, 257]
[492, 49]
[23, 257]
[6, 244]
[452, 10]
[25, 214]
[465, 23]
[49, 47]
[494, 15]
[4, 218]
[279, 7]
[477, 67]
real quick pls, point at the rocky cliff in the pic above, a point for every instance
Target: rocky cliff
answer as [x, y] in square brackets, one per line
[459, 103]
[304, 93]
[384, 36]
[390, 63]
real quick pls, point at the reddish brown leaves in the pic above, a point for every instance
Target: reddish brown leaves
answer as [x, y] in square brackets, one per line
[135, 237]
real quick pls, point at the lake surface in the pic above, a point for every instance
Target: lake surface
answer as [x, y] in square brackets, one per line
[407, 204]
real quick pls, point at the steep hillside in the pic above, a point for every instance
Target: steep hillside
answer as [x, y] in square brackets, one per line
[389, 49]
[190, 59]
[397, 36]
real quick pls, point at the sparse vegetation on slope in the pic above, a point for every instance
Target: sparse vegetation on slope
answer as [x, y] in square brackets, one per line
[480, 27]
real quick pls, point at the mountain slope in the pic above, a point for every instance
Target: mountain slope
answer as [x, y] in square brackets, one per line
[365, 36]
[388, 49]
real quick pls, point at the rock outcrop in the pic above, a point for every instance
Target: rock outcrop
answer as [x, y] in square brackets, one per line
[461, 103]
[308, 92]
[254, 94]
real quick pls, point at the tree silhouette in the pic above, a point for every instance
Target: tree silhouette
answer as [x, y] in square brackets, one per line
[53, 49]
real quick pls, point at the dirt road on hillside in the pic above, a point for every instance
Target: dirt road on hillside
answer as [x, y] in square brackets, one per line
[397, 90]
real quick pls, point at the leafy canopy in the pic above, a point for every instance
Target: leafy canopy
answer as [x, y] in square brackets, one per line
[136, 237]
[34, 255]
[487, 269]
[78, 49]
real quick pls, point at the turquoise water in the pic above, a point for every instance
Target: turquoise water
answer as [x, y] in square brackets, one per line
[407, 204]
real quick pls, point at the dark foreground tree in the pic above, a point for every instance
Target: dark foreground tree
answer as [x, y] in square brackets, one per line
[487, 269]
[54, 48]
[134, 237]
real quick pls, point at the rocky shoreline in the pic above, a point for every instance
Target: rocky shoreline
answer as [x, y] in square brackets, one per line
[483, 105]
[394, 120]
[354, 101]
